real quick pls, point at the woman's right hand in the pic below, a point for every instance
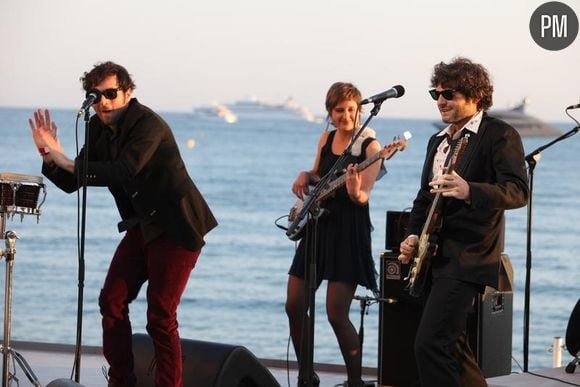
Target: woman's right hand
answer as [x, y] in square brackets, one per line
[300, 185]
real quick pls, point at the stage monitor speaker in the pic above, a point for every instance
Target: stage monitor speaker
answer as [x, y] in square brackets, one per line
[573, 338]
[399, 317]
[205, 364]
[573, 331]
[63, 383]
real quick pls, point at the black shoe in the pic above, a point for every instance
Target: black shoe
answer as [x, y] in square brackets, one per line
[315, 381]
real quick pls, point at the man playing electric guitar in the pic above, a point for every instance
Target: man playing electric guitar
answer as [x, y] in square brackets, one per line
[489, 178]
[427, 244]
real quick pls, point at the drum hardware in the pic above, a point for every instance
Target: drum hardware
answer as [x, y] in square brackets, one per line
[19, 195]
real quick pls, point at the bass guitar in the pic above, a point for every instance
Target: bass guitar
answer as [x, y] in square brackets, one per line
[297, 217]
[427, 245]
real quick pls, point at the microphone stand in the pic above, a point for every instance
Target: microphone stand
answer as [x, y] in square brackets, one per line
[532, 159]
[306, 361]
[81, 270]
[365, 303]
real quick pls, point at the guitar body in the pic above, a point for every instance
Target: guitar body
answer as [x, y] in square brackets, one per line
[297, 224]
[422, 264]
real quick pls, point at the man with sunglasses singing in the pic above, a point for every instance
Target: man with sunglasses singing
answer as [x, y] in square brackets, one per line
[488, 177]
[132, 151]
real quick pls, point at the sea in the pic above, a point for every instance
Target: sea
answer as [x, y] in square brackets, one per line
[237, 291]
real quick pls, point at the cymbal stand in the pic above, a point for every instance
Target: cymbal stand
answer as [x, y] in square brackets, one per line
[7, 352]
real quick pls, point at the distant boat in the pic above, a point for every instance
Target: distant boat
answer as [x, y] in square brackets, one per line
[216, 110]
[255, 106]
[516, 116]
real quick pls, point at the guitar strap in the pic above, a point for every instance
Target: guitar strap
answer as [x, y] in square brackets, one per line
[361, 143]
[356, 149]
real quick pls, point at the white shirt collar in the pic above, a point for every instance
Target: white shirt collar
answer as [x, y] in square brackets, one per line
[472, 125]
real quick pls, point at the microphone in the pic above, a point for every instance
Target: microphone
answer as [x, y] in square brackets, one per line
[573, 106]
[93, 96]
[393, 92]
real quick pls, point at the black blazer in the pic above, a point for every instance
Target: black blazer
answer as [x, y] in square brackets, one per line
[471, 237]
[142, 167]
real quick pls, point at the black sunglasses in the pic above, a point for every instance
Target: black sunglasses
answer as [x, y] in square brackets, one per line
[107, 93]
[110, 93]
[447, 94]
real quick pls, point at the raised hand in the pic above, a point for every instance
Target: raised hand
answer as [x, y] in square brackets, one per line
[44, 131]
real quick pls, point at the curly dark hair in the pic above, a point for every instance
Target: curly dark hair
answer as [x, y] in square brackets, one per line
[470, 79]
[103, 70]
[341, 91]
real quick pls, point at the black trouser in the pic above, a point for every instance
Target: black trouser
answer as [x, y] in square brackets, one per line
[441, 347]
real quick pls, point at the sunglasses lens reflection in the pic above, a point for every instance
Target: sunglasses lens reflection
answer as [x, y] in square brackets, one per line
[447, 94]
[109, 93]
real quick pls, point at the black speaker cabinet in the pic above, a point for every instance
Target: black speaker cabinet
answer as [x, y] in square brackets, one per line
[205, 364]
[489, 326]
[399, 317]
[489, 330]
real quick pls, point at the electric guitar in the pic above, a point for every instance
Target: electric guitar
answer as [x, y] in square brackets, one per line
[427, 246]
[297, 216]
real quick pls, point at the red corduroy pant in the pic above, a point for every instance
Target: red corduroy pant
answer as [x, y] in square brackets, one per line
[167, 267]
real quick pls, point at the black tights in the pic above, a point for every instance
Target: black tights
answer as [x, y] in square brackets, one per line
[339, 296]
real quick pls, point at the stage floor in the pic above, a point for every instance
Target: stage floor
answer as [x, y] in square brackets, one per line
[54, 361]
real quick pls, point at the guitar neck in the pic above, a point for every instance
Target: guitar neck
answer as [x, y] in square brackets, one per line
[432, 218]
[341, 180]
[432, 222]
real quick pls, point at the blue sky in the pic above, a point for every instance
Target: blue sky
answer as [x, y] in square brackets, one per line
[186, 53]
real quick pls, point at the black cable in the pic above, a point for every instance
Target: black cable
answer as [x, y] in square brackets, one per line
[75, 365]
[280, 226]
[81, 221]
[573, 119]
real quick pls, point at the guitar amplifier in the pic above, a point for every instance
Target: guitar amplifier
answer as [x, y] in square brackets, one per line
[399, 316]
[396, 229]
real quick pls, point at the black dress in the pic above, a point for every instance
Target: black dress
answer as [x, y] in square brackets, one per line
[344, 233]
